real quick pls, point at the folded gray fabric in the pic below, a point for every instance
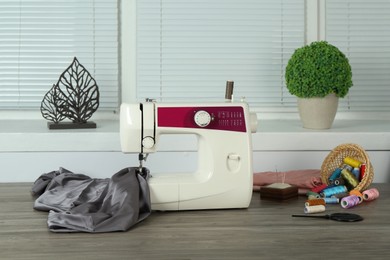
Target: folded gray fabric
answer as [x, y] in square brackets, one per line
[78, 203]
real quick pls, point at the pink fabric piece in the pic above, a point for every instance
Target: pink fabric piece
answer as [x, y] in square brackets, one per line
[303, 179]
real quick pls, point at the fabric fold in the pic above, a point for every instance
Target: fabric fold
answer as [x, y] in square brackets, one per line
[78, 203]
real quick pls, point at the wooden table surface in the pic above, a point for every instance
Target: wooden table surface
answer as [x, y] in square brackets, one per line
[265, 230]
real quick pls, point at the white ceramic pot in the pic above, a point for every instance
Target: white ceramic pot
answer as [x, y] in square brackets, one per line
[318, 113]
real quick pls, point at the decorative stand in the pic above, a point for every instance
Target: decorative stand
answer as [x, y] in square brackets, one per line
[75, 96]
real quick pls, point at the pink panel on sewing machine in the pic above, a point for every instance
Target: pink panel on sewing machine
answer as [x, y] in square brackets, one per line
[222, 118]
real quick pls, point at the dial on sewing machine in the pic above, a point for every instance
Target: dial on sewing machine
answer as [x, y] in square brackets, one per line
[224, 175]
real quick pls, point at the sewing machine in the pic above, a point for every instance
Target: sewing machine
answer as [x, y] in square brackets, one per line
[224, 175]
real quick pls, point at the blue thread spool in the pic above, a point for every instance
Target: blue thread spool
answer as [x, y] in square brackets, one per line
[356, 172]
[335, 174]
[333, 190]
[331, 200]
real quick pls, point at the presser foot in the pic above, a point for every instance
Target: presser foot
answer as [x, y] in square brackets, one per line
[142, 170]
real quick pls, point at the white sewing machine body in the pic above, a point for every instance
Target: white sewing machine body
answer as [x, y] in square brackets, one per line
[224, 175]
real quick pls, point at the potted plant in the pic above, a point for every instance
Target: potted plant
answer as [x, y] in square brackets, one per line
[318, 74]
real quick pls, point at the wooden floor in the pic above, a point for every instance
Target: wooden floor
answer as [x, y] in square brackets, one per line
[264, 231]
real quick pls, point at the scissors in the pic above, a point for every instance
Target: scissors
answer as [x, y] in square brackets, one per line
[344, 217]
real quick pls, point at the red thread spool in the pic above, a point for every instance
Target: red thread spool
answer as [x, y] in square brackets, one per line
[320, 188]
[362, 171]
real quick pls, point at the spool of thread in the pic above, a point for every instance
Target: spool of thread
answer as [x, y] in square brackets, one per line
[339, 181]
[313, 194]
[347, 167]
[362, 171]
[315, 202]
[370, 194]
[332, 200]
[335, 174]
[319, 188]
[351, 161]
[349, 178]
[356, 172]
[314, 209]
[349, 201]
[340, 195]
[333, 190]
[357, 193]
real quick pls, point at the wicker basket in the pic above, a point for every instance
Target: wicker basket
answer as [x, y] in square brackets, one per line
[335, 159]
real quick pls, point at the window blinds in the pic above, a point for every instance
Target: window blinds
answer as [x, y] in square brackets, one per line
[40, 38]
[361, 30]
[188, 49]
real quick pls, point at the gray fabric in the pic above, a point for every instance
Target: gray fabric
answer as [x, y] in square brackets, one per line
[78, 203]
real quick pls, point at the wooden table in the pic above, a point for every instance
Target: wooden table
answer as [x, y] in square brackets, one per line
[265, 230]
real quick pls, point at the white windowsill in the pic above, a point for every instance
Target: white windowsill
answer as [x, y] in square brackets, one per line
[34, 136]
[272, 135]
[289, 135]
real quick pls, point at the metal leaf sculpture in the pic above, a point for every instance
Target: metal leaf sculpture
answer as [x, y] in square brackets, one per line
[51, 105]
[75, 96]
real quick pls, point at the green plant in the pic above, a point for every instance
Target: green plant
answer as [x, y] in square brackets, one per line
[317, 70]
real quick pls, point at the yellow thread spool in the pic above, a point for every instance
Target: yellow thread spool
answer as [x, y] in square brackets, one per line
[352, 162]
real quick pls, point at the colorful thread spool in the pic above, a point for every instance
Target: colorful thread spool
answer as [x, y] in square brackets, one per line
[315, 202]
[350, 161]
[350, 179]
[314, 209]
[347, 167]
[340, 195]
[319, 188]
[311, 195]
[357, 193]
[331, 200]
[339, 181]
[333, 190]
[362, 171]
[349, 201]
[370, 194]
[335, 174]
[356, 172]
